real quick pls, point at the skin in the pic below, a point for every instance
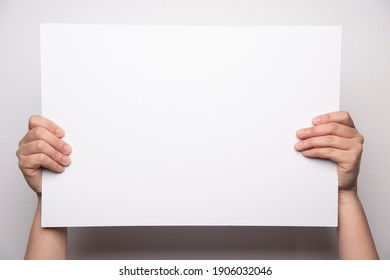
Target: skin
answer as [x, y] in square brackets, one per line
[42, 147]
[333, 136]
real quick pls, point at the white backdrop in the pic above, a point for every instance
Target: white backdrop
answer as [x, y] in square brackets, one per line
[365, 89]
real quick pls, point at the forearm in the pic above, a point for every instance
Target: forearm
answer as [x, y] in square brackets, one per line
[46, 243]
[354, 235]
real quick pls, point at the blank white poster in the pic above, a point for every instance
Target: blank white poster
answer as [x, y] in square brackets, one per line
[189, 125]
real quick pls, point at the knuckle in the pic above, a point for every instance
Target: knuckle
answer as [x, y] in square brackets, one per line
[55, 155]
[41, 158]
[345, 115]
[33, 120]
[361, 139]
[38, 132]
[59, 144]
[359, 149]
[21, 162]
[40, 145]
[24, 163]
[52, 164]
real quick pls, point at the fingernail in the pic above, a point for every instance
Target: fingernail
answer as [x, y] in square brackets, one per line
[301, 132]
[59, 132]
[66, 149]
[298, 144]
[65, 160]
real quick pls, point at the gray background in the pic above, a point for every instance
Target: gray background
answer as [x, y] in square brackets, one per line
[365, 93]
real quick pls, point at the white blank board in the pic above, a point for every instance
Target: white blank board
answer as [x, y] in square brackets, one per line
[189, 125]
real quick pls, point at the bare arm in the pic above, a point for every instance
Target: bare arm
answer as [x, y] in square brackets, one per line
[45, 243]
[42, 147]
[334, 136]
[354, 235]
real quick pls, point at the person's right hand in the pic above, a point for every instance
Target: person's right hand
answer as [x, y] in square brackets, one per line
[42, 147]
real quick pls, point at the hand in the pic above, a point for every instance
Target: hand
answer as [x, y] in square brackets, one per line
[334, 137]
[42, 147]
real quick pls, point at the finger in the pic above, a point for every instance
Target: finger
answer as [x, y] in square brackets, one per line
[338, 117]
[42, 147]
[40, 133]
[35, 161]
[329, 141]
[40, 121]
[332, 128]
[335, 155]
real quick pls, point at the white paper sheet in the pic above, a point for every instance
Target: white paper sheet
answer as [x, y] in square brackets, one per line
[189, 125]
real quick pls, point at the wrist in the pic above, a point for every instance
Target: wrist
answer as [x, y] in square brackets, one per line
[349, 196]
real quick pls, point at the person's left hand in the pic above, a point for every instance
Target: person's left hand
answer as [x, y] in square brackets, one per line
[334, 137]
